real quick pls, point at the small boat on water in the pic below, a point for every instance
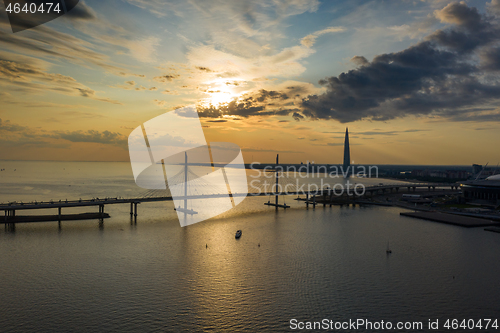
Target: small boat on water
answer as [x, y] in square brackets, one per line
[388, 249]
[238, 234]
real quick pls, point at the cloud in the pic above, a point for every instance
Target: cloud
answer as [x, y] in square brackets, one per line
[490, 58]
[226, 18]
[31, 78]
[432, 77]
[129, 74]
[166, 78]
[371, 133]
[131, 85]
[45, 42]
[160, 103]
[204, 69]
[144, 49]
[24, 136]
[105, 137]
[309, 40]
[297, 116]
[7, 126]
[285, 63]
[258, 150]
[170, 92]
[494, 7]
[248, 105]
[282, 100]
[359, 61]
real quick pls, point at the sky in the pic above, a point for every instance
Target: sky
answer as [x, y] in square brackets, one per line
[416, 82]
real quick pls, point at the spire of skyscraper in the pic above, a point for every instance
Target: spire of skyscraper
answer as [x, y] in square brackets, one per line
[347, 153]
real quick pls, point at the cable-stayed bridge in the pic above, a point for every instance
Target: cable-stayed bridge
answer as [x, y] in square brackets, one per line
[274, 183]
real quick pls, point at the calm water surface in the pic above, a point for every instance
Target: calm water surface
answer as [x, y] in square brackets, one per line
[156, 276]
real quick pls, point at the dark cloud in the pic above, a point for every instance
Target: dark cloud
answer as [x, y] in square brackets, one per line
[170, 92]
[7, 126]
[490, 59]
[243, 109]
[166, 78]
[129, 74]
[474, 115]
[460, 14]
[204, 69]
[270, 94]
[359, 60]
[23, 136]
[434, 76]
[246, 106]
[105, 137]
[297, 116]
[271, 151]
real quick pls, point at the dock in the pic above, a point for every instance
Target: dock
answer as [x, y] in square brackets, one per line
[458, 220]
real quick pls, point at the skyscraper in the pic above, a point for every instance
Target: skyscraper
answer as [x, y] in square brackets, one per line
[347, 153]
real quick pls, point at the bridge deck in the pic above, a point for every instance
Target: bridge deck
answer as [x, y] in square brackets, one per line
[111, 201]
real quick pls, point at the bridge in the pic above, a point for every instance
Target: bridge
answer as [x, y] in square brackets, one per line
[282, 186]
[326, 196]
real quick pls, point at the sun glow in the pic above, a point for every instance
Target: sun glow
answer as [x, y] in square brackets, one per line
[220, 93]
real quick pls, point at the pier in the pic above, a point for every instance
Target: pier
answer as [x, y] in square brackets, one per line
[453, 219]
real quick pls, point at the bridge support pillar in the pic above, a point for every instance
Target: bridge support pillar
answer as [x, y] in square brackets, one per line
[135, 209]
[131, 209]
[307, 200]
[314, 201]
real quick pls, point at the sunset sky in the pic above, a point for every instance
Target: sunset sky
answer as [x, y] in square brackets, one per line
[416, 82]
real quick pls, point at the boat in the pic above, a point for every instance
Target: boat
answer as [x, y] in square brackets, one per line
[388, 249]
[238, 234]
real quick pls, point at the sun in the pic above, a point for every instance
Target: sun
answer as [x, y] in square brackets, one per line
[221, 97]
[220, 93]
